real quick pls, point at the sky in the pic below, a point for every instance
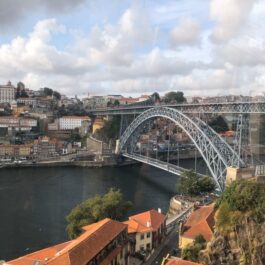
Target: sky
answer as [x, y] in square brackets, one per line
[200, 47]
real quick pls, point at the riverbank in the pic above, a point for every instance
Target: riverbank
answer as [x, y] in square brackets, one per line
[89, 164]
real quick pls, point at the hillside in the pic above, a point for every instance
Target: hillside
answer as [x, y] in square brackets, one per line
[239, 237]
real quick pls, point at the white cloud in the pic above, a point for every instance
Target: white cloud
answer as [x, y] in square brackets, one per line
[187, 32]
[125, 55]
[13, 11]
[230, 17]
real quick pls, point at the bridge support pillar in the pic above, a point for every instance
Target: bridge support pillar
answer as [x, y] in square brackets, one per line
[236, 173]
[117, 146]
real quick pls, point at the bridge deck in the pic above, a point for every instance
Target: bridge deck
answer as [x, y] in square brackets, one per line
[223, 107]
[157, 163]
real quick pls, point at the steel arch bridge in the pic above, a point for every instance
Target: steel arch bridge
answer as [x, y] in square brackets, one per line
[217, 154]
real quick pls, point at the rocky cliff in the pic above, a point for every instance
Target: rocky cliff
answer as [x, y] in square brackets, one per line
[244, 246]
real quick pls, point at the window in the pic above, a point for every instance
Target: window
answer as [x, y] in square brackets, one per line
[148, 234]
[148, 246]
[142, 248]
[142, 236]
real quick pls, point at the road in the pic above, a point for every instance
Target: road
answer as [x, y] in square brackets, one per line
[170, 243]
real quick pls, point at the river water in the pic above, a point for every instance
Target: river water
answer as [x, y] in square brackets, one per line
[35, 201]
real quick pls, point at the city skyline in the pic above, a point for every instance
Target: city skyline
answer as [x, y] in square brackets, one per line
[137, 47]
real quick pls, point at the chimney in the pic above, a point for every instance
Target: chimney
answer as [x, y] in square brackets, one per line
[159, 210]
[148, 224]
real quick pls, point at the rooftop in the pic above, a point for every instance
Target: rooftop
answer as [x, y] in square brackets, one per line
[200, 222]
[78, 251]
[177, 261]
[146, 221]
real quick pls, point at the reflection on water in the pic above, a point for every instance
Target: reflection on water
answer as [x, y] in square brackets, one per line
[35, 201]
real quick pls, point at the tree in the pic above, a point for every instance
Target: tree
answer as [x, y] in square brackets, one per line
[174, 97]
[191, 251]
[24, 94]
[192, 184]
[110, 130]
[219, 124]
[47, 91]
[57, 95]
[111, 205]
[116, 102]
[75, 136]
[240, 199]
[156, 97]
[20, 88]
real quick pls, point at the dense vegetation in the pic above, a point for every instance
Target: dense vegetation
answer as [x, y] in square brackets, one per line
[191, 184]
[219, 124]
[174, 97]
[110, 130]
[191, 251]
[111, 205]
[239, 200]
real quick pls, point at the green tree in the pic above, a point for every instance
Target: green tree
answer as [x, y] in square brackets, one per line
[111, 205]
[191, 251]
[75, 136]
[23, 94]
[219, 124]
[192, 184]
[47, 91]
[156, 97]
[241, 198]
[116, 102]
[110, 130]
[57, 95]
[174, 97]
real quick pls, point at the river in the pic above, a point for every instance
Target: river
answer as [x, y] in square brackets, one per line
[35, 201]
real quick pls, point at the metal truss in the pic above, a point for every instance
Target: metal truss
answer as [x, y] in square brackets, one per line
[205, 141]
[241, 141]
[157, 163]
[225, 107]
[231, 155]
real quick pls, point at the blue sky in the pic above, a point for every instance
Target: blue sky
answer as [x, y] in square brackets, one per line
[202, 47]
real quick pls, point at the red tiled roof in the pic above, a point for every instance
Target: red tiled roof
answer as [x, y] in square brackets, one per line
[79, 251]
[40, 255]
[146, 221]
[200, 222]
[176, 261]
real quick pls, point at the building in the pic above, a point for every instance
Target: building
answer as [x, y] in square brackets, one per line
[95, 102]
[7, 93]
[127, 101]
[72, 122]
[44, 148]
[102, 243]
[15, 151]
[146, 231]
[17, 123]
[200, 222]
[177, 261]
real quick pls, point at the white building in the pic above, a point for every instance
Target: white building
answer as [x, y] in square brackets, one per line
[7, 93]
[17, 123]
[72, 122]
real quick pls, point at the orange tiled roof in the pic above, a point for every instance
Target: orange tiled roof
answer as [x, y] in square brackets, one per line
[200, 222]
[79, 251]
[40, 255]
[176, 261]
[146, 221]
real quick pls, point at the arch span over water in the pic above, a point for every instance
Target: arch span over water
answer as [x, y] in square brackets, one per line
[217, 154]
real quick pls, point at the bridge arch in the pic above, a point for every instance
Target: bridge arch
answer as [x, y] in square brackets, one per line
[217, 154]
